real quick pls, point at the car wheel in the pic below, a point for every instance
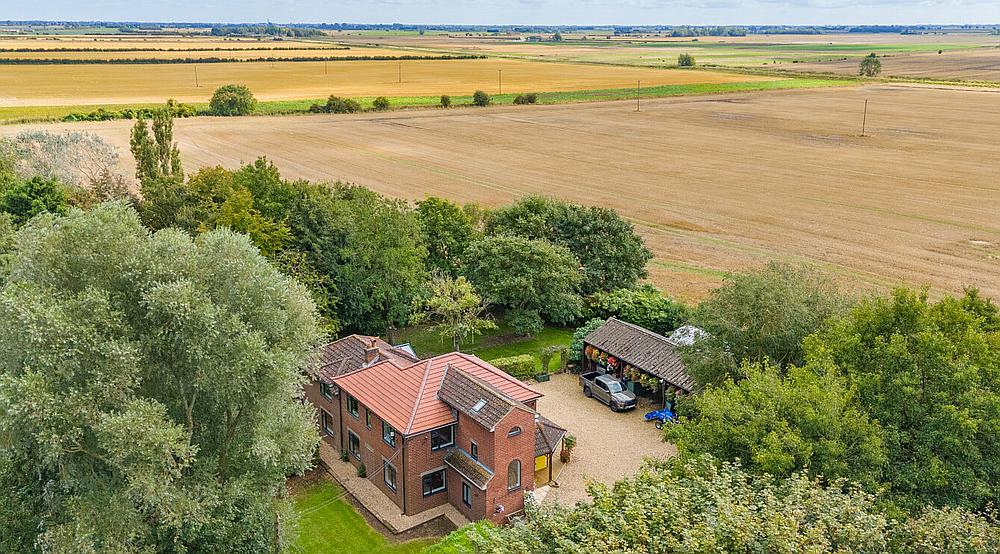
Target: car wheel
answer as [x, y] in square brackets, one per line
[659, 424]
[587, 393]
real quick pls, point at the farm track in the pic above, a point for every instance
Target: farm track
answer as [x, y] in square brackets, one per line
[714, 183]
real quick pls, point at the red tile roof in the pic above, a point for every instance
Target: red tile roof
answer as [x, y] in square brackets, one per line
[406, 396]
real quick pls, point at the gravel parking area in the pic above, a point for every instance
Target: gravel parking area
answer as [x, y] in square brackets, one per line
[609, 446]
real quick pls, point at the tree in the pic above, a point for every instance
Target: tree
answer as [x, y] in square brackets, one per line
[612, 254]
[445, 101]
[644, 306]
[576, 344]
[758, 316]
[232, 100]
[336, 104]
[534, 280]
[381, 104]
[447, 230]
[456, 310]
[77, 160]
[381, 263]
[157, 158]
[781, 423]
[149, 383]
[930, 374]
[24, 199]
[480, 98]
[685, 60]
[870, 66]
[701, 506]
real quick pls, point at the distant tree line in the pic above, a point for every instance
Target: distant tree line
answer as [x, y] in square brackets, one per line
[264, 30]
[215, 59]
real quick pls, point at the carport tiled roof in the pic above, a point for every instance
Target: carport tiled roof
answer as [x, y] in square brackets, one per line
[482, 402]
[477, 474]
[643, 349]
[349, 354]
[548, 435]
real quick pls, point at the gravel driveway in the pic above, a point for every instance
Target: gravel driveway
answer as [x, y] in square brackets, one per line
[609, 446]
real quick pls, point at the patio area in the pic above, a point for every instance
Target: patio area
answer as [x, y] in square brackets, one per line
[609, 446]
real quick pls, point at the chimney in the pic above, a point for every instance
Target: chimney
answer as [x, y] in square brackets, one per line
[371, 351]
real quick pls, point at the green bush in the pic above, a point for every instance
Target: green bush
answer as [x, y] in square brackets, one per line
[380, 104]
[576, 346]
[445, 101]
[527, 98]
[480, 98]
[232, 100]
[362, 471]
[336, 104]
[521, 366]
[685, 60]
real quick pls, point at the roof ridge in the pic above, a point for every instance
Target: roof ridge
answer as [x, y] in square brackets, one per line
[642, 329]
[420, 394]
[504, 396]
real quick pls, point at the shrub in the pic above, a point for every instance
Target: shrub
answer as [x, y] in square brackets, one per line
[522, 366]
[232, 100]
[445, 101]
[480, 98]
[870, 66]
[527, 98]
[685, 60]
[576, 345]
[362, 471]
[336, 104]
[380, 104]
[343, 455]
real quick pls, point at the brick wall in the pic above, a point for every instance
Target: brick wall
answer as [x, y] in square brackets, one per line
[419, 460]
[506, 449]
[478, 508]
[374, 451]
[331, 407]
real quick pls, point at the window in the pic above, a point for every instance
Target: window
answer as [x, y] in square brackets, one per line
[388, 434]
[614, 387]
[442, 437]
[327, 422]
[514, 475]
[352, 405]
[466, 494]
[326, 390]
[433, 482]
[353, 444]
[389, 474]
[514, 431]
[474, 450]
[368, 418]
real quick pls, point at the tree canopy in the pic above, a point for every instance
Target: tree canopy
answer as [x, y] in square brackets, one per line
[535, 281]
[612, 254]
[168, 368]
[758, 316]
[447, 230]
[232, 100]
[644, 306]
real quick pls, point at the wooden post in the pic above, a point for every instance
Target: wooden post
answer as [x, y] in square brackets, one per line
[196, 85]
[864, 118]
[400, 78]
[637, 96]
[500, 80]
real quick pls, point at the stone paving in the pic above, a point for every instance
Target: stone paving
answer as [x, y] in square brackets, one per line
[369, 496]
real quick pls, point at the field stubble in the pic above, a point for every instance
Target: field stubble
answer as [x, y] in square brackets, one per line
[715, 183]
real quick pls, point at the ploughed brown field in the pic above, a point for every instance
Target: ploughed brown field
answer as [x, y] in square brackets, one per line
[714, 183]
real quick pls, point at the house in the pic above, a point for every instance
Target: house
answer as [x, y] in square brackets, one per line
[448, 429]
[638, 356]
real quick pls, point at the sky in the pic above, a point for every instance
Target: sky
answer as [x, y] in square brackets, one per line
[501, 12]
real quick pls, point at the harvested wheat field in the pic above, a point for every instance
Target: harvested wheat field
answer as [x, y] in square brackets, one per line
[44, 85]
[981, 64]
[916, 201]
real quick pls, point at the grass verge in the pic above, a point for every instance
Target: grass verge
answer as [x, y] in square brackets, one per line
[328, 524]
[496, 343]
[29, 114]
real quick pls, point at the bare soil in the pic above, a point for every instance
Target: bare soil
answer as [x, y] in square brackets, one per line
[714, 183]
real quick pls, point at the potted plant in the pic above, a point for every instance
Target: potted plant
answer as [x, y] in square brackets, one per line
[568, 444]
[362, 472]
[343, 455]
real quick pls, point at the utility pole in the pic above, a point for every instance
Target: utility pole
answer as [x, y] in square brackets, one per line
[637, 96]
[864, 118]
[326, 68]
[500, 80]
[196, 85]
[400, 78]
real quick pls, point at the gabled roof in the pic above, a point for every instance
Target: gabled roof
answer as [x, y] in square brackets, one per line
[406, 396]
[485, 404]
[477, 474]
[349, 354]
[642, 348]
[548, 436]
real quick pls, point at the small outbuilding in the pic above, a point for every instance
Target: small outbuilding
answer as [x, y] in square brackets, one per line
[644, 360]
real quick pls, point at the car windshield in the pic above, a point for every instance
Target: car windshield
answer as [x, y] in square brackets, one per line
[614, 386]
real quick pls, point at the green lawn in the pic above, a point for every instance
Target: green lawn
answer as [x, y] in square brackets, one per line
[328, 525]
[496, 343]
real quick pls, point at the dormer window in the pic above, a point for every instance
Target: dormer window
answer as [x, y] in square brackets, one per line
[514, 431]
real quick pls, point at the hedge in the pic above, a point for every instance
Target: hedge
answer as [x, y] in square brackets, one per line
[521, 366]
